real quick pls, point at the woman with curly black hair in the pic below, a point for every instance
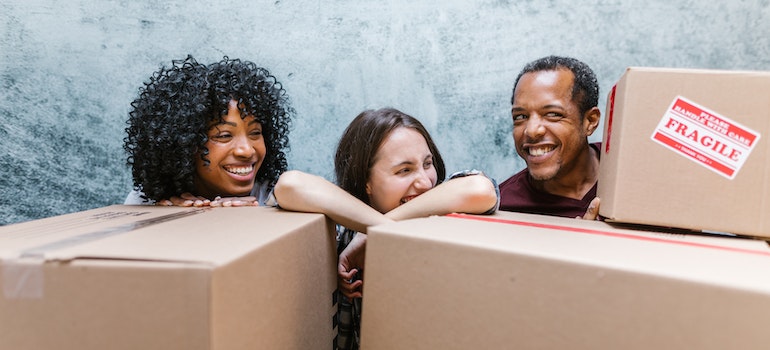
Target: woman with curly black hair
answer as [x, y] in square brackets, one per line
[208, 131]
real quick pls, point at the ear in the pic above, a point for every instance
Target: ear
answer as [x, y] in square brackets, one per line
[368, 189]
[591, 120]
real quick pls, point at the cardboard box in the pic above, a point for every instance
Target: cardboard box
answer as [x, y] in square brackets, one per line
[689, 149]
[519, 281]
[146, 277]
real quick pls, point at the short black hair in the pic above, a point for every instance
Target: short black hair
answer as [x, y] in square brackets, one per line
[585, 88]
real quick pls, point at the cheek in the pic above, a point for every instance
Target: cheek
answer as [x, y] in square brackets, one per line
[433, 177]
[259, 146]
[517, 131]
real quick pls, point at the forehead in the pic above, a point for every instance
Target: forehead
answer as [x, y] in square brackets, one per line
[549, 83]
[401, 144]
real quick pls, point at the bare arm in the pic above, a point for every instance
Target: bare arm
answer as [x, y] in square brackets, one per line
[473, 194]
[299, 191]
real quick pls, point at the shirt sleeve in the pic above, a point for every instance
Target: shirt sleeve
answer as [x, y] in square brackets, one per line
[137, 198]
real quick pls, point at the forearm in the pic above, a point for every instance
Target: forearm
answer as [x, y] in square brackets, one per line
[474, 194]
[298, 191]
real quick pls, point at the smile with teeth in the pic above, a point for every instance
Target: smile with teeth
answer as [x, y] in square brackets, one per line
[539, 151]
[240, 170]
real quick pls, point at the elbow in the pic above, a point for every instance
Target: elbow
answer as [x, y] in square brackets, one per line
[288, 186]
[481, 195]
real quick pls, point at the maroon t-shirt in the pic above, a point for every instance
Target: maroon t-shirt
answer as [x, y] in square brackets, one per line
[517, 194]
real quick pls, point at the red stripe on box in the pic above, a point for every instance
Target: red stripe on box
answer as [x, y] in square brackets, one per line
[606, 233]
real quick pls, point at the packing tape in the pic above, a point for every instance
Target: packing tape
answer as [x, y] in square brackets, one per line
[23, 277]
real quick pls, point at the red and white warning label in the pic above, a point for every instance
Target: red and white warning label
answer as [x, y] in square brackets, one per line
[705, 137]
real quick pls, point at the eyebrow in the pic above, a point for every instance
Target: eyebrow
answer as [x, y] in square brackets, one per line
[253, 121]
[409, 162]
[551, 106]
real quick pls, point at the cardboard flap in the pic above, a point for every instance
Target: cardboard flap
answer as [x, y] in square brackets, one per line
[728, 261]
[143, 233]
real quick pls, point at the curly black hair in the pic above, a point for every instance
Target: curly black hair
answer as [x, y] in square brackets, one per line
[585, 88]
[168, 122]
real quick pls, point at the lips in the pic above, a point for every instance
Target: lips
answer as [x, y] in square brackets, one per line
[241, 170]
[537, 151]
[407, 198]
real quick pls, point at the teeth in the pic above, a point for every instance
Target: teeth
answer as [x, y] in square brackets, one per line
[240, 170]
[539, 151]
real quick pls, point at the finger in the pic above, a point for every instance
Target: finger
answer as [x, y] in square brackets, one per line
[593, 210]
[164, 202]
[344, 274]
[350, 288]
[346, 285]
[352, 295]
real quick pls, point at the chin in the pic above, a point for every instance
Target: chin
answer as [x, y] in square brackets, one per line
[542, 175]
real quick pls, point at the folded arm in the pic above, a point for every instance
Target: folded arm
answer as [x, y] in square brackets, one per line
[299, 191]
[474, 194]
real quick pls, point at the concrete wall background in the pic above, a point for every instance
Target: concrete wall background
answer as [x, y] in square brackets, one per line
[69, 70]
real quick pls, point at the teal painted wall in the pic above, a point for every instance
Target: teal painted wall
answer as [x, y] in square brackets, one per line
[69, 69]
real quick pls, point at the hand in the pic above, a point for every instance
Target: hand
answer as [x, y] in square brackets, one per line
[185, 200]
[593, 210]
[249, 201]
[189, 200]
[351, 262]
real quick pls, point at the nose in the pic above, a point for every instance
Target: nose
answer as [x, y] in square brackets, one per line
[534, 128]
[242, 147]
[422, 181]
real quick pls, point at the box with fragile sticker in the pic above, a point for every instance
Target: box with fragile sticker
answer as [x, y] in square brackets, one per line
[151, 277]
[689, 149]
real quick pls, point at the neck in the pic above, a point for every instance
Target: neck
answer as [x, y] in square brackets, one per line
[577, 181]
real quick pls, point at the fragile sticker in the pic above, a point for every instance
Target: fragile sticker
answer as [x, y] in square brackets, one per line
[705, 137]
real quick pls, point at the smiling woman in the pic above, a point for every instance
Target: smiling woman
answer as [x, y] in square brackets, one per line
[209, 130]
[388, 168]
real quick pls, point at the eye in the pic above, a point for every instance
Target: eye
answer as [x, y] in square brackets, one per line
[428, 164]
[554, 115]
[519, 117]
[221, 137]
[403, 171]
[255, 134]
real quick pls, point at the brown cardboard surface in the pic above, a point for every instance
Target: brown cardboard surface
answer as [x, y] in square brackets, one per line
[145, 277]
[537, 282]
[644, 182]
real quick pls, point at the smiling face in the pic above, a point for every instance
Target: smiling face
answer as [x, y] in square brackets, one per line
[236, 151]
[403, 169]
[548, 130]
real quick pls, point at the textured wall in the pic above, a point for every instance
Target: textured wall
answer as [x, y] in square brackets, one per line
[69, 70]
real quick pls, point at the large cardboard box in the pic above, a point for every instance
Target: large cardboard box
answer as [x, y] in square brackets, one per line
[519, 281]
[146, 277]
[689, 149]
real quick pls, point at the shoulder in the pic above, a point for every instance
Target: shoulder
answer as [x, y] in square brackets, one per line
[517, 180]
[263, 191]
